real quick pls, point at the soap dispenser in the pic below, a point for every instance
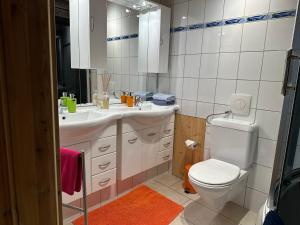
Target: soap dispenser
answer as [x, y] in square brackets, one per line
[64, 99]
[72, 104]
[130, 100]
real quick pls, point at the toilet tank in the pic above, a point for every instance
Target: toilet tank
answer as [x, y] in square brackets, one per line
[233, 141]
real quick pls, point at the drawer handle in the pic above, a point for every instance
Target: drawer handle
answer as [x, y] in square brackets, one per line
[104, 166]
[131, 141]
[151, 134]
[167, 144]
[104, 182]
[166, 157]
[104, 148]
[167, 131]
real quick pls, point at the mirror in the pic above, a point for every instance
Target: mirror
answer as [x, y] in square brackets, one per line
[127, 49]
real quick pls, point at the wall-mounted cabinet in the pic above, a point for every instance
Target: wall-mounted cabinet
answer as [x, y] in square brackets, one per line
[88, 28]
[154, 39]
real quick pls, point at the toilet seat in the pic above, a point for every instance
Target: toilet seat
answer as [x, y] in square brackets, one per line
[214, 173]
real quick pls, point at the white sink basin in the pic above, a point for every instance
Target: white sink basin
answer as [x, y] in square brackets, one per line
[146, 110]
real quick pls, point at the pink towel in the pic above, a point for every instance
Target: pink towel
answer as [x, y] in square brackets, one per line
[71, 170]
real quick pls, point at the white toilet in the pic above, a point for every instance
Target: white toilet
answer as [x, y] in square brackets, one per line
[232, 150]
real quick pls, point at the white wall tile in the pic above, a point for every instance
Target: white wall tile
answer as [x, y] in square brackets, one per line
[194, 41]
[209, 65]
[125, 44]
[188, 108]
[176, 65]
[214, 10]
[163, 84]
[254, 36]
[268, 124]
[133, 66]
[125, 66]
[250, 65]
[228, 65]
[249, 118]
[117, 49]
[178, 41]
[211, 40]
[134, 83]
[125, 82]
[231, 38]
[110, 65]
[224, 90]
[134, 47]
[110, 49]
[234, 8]
[280, 34]
[179, 13]
[270, 97]
[256, 7]
[206, 90]
[279, 5]
[218, 108]
[254, 199]
[204, 109]
[176, 86]
[190, 88]
[273, 65]
[260, 178]
[117, 66]
[265, 152]
[248, 87]
[192, 66]
[196, 11]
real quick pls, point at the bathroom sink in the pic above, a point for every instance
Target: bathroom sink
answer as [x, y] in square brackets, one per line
[83, 124]
[145, 110]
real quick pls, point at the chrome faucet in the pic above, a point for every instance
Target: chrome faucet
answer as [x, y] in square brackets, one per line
[138, 102]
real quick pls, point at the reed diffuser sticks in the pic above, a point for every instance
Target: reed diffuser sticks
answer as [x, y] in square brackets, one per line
[105, 81]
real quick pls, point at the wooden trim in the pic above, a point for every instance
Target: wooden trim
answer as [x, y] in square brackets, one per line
[28, 121]
[187, 127]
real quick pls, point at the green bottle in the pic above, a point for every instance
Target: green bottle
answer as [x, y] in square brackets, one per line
[72, 104]
[64, 99]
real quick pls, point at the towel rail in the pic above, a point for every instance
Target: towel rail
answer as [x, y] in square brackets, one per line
[84, 193]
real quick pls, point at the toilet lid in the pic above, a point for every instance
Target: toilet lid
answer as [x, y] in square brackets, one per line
[214, 172]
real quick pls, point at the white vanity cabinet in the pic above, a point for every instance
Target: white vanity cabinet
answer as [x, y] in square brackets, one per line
[142, 145]
[88, 28]
[100, 158]
[154, 39]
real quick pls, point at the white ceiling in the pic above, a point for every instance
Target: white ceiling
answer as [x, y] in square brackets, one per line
[139, 5]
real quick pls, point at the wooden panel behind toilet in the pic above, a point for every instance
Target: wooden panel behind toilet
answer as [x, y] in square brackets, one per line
[187, 127]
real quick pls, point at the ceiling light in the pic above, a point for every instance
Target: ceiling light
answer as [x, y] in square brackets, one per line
[144, 3]
[134, 6]
[127, 10]
[184, 17]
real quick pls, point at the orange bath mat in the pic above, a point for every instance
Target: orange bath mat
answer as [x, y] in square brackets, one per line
[142, 206]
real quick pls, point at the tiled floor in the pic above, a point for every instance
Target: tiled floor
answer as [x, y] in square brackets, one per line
[195, 212]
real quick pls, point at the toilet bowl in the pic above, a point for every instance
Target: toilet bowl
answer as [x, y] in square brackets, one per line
[216, 181]
[232, 145]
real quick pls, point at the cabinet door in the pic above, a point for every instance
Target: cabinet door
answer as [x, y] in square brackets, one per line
[151, 145]
[131, 155]
[74, 30]
[86, 148]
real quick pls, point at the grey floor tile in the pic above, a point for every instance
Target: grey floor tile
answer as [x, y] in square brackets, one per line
[167, 179]
[168, 192]
[249, 219]
[234, 211]
[180, 221]
[178, 188]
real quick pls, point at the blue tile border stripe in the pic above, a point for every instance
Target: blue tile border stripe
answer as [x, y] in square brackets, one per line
[241, 20]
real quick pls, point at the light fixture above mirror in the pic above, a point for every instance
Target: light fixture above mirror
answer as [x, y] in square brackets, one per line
[139, 5]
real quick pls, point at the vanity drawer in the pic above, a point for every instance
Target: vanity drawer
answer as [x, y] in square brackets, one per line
[166, 143]
[167, 129]
[103, 146]
[103, 180]
[103, 163]
[164, 156]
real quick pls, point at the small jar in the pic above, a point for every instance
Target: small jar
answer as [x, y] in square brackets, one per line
[105, 101]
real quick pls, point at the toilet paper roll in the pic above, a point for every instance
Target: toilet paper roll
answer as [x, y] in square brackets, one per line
[191, 144]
